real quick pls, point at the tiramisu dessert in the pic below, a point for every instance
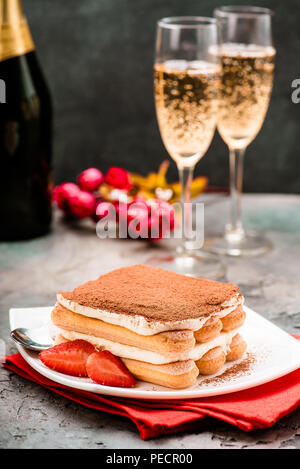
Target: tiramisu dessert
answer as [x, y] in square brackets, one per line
[165, 327]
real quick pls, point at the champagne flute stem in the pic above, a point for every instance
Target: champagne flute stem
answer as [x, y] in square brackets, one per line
[234, 230]
[185, 178]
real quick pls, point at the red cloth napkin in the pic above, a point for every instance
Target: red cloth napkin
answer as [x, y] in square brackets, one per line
[252, 409]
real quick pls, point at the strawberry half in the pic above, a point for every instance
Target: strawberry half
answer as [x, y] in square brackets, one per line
[105, 368]
[69, 358]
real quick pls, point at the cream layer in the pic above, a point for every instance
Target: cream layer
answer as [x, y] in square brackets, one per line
[128, 351]
[141, 325]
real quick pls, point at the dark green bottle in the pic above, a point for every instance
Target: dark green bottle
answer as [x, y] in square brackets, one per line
[25, 131]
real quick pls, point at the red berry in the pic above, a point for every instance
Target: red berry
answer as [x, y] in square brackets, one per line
[118, 177]
[107, 369]
[63, 193]
[164, 211]
[69, 357]
[122, 210]
[82, 205]
[90, 179]
[155, 231]
[138, 215]
[104, 209]
[138, 209]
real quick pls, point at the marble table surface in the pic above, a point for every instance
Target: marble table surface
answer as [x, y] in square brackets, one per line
[33, 271]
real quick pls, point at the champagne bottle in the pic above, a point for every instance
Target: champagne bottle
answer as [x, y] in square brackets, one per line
[25, 131]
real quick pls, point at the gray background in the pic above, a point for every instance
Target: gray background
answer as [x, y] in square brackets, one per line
[97, 56]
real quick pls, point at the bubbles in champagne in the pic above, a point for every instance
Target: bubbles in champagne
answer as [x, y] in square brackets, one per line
[246, 87]
[186, 95]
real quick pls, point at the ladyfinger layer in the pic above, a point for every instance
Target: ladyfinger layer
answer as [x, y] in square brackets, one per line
[165, 342]
[155, 358]
[177, 375]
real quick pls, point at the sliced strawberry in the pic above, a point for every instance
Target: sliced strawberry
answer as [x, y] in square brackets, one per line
[69, 357]
[105, 368]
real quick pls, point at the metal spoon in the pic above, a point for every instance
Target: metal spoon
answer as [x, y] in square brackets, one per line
[33, 339]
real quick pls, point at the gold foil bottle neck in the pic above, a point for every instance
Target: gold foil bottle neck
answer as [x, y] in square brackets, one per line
[15, 37]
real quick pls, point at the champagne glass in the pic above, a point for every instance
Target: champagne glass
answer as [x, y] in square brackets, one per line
[247, 57]
[186, 83]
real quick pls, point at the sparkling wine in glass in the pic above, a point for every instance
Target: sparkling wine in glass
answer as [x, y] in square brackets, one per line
[186, 88]
[247, 57]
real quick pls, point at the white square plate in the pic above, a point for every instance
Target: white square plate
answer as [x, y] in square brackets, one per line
[271, 353]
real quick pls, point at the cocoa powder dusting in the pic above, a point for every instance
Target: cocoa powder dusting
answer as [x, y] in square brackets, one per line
[242, 368]
[154, 293]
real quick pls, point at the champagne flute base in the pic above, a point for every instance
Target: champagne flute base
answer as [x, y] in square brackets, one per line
[194, 264]
[251, 244]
